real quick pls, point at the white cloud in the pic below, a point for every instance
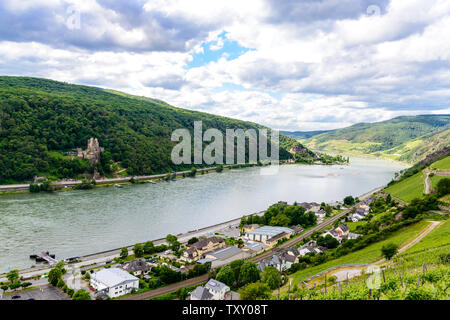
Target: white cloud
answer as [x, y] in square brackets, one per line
[339, 67]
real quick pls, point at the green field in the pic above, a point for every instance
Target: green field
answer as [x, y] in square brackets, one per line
[353, 225]
[438, 237]
[443, 164]
[434, 181]
[409, 188]
[366, 255]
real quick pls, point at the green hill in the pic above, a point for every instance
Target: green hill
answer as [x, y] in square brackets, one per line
[412, 183]
[42, 119]
[408, 138]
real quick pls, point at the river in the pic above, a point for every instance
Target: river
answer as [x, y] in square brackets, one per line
[79, 222]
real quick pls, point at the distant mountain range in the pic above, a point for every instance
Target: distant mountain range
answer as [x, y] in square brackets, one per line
[407, 138]
[303, 134]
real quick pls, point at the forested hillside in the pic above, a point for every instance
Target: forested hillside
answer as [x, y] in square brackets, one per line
[41, 119]
[408, 138]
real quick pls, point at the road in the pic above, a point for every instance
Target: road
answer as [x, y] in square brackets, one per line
[167, 289]
[71, 183]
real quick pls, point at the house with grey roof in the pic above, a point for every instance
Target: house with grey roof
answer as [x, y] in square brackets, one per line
[275, 261]
[137, 267]
[201, 293]
[254, 247]
[217, 289]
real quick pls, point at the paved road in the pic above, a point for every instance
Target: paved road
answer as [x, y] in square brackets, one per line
[167, 289]
[71, 183]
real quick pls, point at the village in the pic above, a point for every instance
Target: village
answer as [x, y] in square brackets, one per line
[147, 266]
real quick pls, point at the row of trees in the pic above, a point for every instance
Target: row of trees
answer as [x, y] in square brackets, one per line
[280, 214]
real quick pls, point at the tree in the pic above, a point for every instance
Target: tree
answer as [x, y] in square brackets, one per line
[388, 198]
[81, 295]
[181, 293]
[389, 250]
[443, 186]
[349, 201]
[149, 247]
[171, 239]
[13, 275]
[124, 253]
[54, 275]
[236, 267]
[328, 241]
[271, 277]
[280, 220]
[255, 291]
[226, 275]
[328, 210]
[192, 240]
[138, 250]
[249, 273]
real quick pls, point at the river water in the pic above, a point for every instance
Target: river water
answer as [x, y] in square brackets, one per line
[79, 222]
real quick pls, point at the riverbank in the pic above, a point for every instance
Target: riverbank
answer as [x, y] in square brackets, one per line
[85, 221]
[66, 185]
[99, 259]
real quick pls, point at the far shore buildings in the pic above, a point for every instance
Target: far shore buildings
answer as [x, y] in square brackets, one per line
[113, 282]
[198, 249]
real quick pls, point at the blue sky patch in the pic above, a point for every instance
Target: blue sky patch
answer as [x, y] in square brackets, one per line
[230, 50]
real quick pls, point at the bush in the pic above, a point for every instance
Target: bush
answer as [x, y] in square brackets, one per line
[60, 283]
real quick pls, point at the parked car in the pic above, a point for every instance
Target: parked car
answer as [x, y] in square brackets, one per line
[16, 296]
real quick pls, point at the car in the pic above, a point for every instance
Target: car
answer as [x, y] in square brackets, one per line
[31, 299]
[16, 296]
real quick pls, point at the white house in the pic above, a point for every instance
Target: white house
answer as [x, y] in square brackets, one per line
[217, 289]
[114, 282]
[356, 217]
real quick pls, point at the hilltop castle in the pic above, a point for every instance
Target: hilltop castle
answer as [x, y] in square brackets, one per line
[92, 152]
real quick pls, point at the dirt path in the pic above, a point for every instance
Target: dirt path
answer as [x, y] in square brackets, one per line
[409, 244]
[427, 182]
[343, 273]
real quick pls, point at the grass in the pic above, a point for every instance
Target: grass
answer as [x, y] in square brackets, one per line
[446, 199]
[408, 189]
[438, 237]
[434, 181]
[368, 254]
[353, 225]
[443, 164]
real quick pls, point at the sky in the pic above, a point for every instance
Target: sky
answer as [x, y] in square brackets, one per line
[290, 65]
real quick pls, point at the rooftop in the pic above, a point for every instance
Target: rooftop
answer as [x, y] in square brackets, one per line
[225, 253]
[215, 285]
[270, 231]
[201, 293]
[113, 276]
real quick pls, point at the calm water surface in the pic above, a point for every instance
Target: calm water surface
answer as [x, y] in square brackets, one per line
[80, 222]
